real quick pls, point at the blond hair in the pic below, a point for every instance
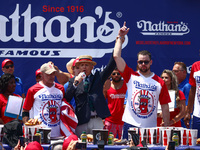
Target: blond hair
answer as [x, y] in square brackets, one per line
[174, 84]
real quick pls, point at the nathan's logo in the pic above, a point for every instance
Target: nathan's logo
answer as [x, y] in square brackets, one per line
[50, 113]
[148, 87]
[143, 104]
[44, 97]
[114, 96]
[45, 29]
[99, 27]
[163, 28]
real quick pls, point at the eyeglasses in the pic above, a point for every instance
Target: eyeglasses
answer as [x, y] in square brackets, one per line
[145, 62]
[9, 66]
[115, 73]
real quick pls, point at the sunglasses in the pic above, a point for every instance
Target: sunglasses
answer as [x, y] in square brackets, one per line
[115, 73]
[145, 62]
[9, 66]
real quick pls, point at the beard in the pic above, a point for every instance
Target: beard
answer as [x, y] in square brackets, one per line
[117, 80]
[144, 69]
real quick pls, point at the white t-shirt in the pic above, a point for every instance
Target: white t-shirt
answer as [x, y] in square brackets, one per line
[143, 96]
[45, 103]
[194, 80]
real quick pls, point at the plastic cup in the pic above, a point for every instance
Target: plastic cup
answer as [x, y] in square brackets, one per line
[166, 136]
[31, 132]
[183, 137]
[160, 131]
[152, 136]
[141, 134]
[194, 136]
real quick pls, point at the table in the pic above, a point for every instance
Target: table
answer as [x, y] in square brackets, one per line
[117, 147]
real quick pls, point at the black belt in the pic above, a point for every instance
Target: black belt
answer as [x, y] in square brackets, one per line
[93, 116]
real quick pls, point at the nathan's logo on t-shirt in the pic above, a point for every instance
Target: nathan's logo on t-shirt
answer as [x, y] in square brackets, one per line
[143, 104]
[115, 96]
[45, 97]
[145, 86]
[50, 113]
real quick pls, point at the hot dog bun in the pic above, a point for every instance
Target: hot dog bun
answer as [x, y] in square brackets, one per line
[32, 122]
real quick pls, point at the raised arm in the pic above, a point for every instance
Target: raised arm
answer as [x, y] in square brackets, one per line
[62, 77]
[118, 48]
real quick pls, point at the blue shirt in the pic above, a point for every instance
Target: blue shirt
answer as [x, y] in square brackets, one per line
[72, 102]
[184, 86]
[19, 86]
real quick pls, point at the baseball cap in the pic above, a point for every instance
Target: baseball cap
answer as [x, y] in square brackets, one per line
[47, 68]
[37, 72]
[34, 146]
[5, 61]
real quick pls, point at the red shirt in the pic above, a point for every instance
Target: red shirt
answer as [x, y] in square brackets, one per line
[116, 104]
[3, 103]
[174, 113]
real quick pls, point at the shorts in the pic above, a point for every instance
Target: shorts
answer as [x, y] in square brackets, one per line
[116, 129]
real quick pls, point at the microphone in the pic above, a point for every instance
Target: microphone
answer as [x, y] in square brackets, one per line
[83, 75]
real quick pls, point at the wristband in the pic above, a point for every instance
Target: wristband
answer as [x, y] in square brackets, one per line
[120, 37]
[25, 114]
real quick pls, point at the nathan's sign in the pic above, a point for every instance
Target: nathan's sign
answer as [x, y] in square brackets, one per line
[163, 28]
[44, 31]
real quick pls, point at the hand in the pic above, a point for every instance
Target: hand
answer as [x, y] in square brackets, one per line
[132, 143]
[78, 79]
[72, 145]
[18, 146]
[167, 147]
[165, 124]
[187, 120]
[162, 124]
[123, 31]
[57, 69]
